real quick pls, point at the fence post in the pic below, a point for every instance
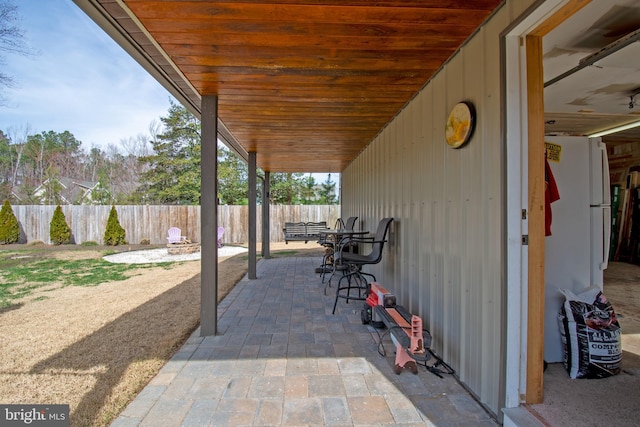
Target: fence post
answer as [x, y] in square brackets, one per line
[151, 222]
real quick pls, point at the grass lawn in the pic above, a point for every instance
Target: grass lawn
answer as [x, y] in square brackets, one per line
[28, 272]
[78, 330]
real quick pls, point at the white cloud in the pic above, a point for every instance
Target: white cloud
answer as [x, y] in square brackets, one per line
[79, 80]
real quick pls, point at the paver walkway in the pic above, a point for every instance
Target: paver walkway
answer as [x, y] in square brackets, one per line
[282, 359]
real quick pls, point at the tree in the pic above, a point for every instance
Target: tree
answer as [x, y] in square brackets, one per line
[6, 167]
[125, 170]
[233, 178]
[327, 192]
[285, 188]
[52, 188]
[9, 227]
[116, 173]
[162, 168]
[27, 160]
[308, 191]
[114, 234]
[12, 146]
[51, 149]
[59, 231]
[101, 195]
[11, 39]
[173, 176]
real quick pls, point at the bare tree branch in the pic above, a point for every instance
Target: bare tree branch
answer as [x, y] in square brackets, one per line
[12, 40]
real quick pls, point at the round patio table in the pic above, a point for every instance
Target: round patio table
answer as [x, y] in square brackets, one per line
[338, 235]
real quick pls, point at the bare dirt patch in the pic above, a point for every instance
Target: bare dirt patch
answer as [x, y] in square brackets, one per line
[95, 348]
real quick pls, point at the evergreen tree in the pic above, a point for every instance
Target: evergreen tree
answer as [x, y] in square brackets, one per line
[160, 168]
[233, 178]
[173, 176]
[308, 192]
[327, 192]
[114, 235]
[59, 231]
[285, 188]
[9, 227]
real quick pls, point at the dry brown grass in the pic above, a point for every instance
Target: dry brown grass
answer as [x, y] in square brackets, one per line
[95, 348]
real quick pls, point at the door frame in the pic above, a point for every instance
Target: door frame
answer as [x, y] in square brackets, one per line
[524, 144]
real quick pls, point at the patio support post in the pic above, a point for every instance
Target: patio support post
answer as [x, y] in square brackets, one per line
[266, 207]
[253, 201]
[209, 217]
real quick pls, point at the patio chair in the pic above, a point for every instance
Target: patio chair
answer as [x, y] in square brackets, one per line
[220, 234]
[175, 235]
[354, 262]
[349, 225]
[331, 245]
[351, 222]
[326, 241]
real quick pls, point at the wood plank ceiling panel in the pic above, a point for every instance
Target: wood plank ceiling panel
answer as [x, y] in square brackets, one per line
[306, 85]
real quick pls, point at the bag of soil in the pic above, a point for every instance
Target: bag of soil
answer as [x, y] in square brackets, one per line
[591, 335]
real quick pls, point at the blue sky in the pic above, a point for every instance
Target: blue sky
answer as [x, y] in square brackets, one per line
[78, 80]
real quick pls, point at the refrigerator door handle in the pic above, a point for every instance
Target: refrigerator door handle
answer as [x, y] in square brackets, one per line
[606, 181]
[606, 226]
[599, 178]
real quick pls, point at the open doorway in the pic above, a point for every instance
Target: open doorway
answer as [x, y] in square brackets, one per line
[526, 114]
[591, 64]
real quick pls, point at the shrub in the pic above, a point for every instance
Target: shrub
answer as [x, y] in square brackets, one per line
[59, 231]
[89, 243]
[114, 235]
[145, 242]
[9, 227]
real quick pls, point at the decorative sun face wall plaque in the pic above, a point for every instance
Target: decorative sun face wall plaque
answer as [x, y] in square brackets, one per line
[460, 124]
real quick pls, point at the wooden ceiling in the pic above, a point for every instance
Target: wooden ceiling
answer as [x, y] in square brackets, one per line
[305, 84]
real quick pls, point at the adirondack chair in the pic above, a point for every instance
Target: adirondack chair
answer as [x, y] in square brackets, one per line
[220, 234]
[175, 235]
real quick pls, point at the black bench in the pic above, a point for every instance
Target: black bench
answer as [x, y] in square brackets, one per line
[303, 231]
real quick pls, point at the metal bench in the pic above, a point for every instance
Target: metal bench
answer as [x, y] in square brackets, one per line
[303, 231]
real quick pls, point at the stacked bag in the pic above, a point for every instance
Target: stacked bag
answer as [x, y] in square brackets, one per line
[591, 335]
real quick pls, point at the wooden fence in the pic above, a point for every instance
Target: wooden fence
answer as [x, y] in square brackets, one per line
[142, 222]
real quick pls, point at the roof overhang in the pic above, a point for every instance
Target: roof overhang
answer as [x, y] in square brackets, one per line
[306, 85]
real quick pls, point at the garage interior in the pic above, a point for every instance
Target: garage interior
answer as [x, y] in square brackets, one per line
[592, 84]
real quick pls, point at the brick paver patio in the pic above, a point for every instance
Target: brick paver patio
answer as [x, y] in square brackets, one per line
[282, 359]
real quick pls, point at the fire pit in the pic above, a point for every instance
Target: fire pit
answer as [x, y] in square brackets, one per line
[183, 248]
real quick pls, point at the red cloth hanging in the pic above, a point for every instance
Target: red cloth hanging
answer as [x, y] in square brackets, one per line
[551, 194]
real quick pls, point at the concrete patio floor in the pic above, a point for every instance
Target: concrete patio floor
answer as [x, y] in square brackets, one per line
[282, 359]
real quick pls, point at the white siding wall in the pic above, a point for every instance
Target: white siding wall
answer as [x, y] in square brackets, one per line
[445, 257]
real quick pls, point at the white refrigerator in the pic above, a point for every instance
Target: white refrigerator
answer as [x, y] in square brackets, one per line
[577, 251]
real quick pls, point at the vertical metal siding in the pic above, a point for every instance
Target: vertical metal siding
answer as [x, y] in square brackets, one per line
[444, 257]
[493, 297]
